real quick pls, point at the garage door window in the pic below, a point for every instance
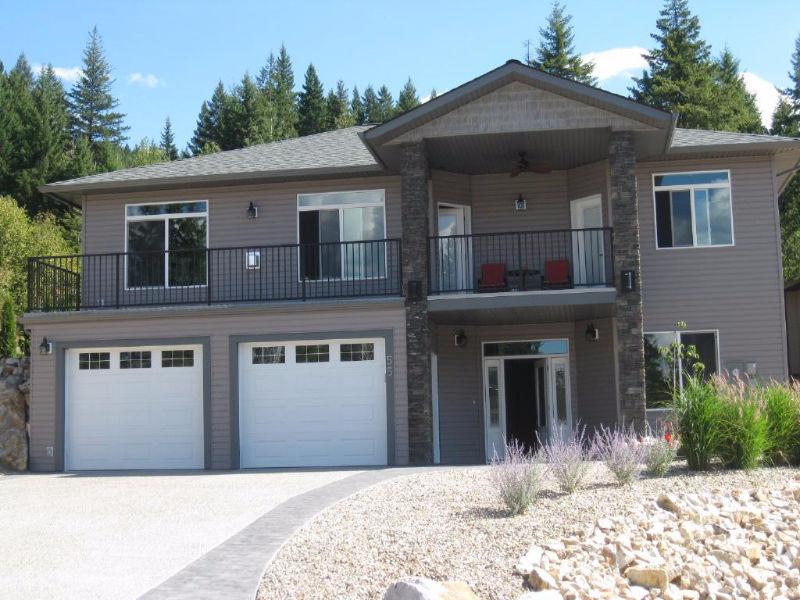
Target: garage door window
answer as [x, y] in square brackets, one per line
[269, 355]
[312, 354]
[357, 352]
[91, 361]
[134, 360]
[177, 358]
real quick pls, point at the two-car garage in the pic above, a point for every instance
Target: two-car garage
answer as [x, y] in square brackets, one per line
[300, 403]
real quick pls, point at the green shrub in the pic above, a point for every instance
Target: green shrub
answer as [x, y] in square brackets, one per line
[744, 438]
[698, 410]
[782, 406]
[8, 328]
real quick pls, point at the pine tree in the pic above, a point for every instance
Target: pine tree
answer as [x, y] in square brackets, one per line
[370, 102]
[204, 132]
[216, 124]
[680, 76]
[408, 98]
[337, 108]
[168, 141]
[357, 108]
[311, 104]
[385, 108]
[736, 108]
[556, 52]
[92, 105]
[251, 118]
[283, 97]
[432, 95]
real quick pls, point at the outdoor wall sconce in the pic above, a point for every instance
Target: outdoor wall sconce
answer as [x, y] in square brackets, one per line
[592, 333]
[45, 347]
[252, 211]
[629, 280]
[520, 203]
[460, 339]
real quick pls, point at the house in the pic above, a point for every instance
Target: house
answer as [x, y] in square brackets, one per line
[502, 261]
[792, 301]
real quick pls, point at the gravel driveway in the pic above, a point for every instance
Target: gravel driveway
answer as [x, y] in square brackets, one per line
[118, 535]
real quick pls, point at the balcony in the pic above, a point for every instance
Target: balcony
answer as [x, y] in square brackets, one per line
[540, 272]
[215, 276]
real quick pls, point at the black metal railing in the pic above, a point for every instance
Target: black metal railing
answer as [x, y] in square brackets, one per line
[519, 261]
[215, 275]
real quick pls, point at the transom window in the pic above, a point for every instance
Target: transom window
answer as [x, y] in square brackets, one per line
[269, 355]
[658, 372]
[177, 358]
[92, 361]
[166, 244]
[318, 353]
[693, 209]
[536, 347]
[339, 235]
[356, 352]
[134, 360]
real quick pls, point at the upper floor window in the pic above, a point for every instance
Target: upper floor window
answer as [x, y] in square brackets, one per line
[693, 209]
[166, 244]
[337, 233]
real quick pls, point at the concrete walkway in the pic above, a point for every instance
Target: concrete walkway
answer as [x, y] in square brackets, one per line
[234, 569]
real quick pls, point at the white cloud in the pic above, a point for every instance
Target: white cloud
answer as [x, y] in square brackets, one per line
[69, 74]
[628, 62]
[767, 96]
[148, 80]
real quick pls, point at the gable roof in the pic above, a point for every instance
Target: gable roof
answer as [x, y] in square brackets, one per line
[708, 140]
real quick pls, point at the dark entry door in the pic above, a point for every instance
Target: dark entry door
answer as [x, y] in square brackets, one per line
[521, 411]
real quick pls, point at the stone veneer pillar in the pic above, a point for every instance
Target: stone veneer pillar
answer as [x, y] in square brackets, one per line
[414, 201]
[629, 321]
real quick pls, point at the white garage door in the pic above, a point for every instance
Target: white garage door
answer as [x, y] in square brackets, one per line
[318, 403]
[134, 408]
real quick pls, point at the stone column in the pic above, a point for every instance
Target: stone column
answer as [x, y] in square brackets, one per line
[414, 200]
[629, 323]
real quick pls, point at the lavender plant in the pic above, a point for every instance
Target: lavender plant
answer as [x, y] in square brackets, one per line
[568, 459]
[621, 451]
[517, 477]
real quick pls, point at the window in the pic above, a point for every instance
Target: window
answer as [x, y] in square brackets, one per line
[693, 209]
[177, 358]
[166, 244]
[537, 347]
[494, 396]
[658, 373]
[312, 354]
[356, 352]
[93, 361]
[134, 360]
[269, 355]
[341, 235]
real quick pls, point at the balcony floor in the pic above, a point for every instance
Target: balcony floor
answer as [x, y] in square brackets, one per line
[538, 306]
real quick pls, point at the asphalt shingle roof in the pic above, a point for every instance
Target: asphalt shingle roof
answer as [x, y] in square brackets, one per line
[331, 150]
[691, 138]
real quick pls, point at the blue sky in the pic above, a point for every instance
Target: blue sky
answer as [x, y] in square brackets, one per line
[168, 56]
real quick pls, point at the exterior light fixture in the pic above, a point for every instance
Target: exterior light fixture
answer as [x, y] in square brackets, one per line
[460, 339]
[629, 280]
[45, 347]
[592, 333]
[520, 203]
[252, 211]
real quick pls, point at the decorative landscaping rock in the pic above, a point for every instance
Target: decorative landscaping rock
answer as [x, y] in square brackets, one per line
[14, 389]
[739, 545]
[420, 588]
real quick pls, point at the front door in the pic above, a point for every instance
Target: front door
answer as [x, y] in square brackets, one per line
[588, 243]
[454, 248]
[494, 408]
[558, 399]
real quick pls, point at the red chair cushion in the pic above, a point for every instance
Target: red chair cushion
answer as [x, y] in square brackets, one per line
[493, 275]
[556, 271]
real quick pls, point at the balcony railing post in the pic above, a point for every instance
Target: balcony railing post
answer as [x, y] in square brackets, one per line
[208, 275]
[119, 278]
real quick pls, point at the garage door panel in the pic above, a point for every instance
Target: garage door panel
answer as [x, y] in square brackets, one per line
[312, 414]
[138, 418]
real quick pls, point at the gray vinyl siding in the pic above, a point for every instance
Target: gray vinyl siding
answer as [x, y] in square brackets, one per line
[461, 436]
[737, 290]
[595, 376]
[218, 325]
[589, 180]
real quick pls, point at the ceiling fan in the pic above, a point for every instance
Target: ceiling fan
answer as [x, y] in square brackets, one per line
[523, 165]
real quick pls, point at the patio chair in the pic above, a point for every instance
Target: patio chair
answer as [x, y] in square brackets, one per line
[556, 273]
[493, 278]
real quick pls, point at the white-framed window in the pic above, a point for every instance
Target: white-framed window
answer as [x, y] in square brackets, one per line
[166, 244]
[341, 235]
[658, 372]
[693, 209]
